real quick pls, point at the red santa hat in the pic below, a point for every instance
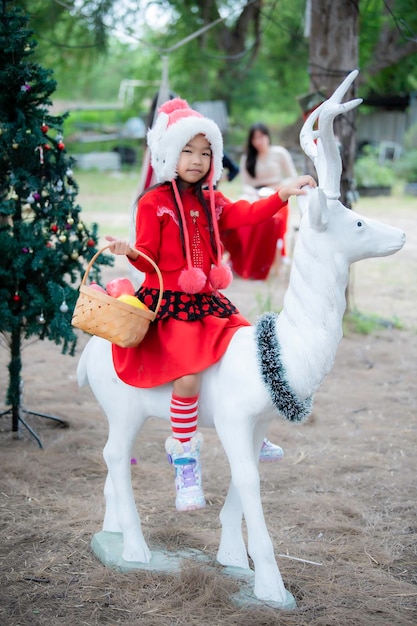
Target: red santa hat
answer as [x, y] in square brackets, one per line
[176, 124]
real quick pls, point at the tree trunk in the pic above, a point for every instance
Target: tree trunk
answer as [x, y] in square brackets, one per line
[15, 376]
[333, 53]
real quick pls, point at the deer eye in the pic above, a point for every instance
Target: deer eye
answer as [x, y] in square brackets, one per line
[359, 224]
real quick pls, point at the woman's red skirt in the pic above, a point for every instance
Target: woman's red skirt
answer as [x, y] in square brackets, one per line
[252, 249]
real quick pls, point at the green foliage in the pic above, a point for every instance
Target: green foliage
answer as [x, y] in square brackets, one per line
[365, 324]
[72, 33]
[384, 26]
[43, 240]
[406, 166]
[256, 60]
[370, 172]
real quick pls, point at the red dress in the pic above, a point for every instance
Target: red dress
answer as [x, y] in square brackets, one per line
[191, 332]
[252, 249]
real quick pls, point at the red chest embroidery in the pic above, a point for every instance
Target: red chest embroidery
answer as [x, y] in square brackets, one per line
[196, 253]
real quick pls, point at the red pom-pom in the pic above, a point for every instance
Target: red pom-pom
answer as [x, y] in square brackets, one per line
[173, 105]
[220, 276]
[192, 280]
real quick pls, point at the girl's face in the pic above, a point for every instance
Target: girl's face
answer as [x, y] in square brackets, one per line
[260, 141]
[195, 160]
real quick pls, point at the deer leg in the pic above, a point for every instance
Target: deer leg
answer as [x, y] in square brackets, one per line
[117, 454]
[242, 451]
[232, 549]
[111, 520]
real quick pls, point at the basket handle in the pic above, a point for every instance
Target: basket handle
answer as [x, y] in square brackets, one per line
[142, 254]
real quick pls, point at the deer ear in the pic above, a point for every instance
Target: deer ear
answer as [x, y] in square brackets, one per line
[318, 210]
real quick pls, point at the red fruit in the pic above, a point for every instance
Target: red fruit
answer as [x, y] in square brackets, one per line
[120, 286]
[97, 287]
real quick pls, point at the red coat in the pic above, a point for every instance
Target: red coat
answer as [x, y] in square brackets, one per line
[157, 230]
[173, 347]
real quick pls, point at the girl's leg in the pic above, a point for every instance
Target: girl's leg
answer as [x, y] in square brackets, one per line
[184, 407]
[183, 447]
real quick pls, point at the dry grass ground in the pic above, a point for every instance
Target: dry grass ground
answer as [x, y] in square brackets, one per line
[342, 501]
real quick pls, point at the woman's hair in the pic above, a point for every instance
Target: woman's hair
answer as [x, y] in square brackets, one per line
[251, 152]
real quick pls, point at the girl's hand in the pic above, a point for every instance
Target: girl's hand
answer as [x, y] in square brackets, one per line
[121, 246]
[295, 188]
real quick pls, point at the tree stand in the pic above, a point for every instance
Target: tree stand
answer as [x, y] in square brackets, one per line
[17, 419]
[15, 391]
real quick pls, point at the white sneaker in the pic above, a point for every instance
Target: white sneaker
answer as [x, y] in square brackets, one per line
[270, 452]
[185, 457]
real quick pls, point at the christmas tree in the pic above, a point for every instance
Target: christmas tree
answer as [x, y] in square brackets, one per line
[43, 241]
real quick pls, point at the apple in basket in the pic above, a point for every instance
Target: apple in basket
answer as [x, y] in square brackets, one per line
[132, 300]
[119, 286]
[97, 287]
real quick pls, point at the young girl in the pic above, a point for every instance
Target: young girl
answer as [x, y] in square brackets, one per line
[177, 225]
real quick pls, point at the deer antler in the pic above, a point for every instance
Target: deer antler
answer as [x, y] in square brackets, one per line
[320, 145]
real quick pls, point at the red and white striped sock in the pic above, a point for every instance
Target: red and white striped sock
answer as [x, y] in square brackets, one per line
[184, 417]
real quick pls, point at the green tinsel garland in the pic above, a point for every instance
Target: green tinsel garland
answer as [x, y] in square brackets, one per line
[273, 373]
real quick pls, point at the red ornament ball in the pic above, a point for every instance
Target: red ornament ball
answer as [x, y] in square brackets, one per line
[61, 145]
[16, 297]
[91, 243]
[44, 128]
[46, 146]
[54, 228]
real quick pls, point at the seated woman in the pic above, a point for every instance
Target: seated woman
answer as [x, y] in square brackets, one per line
[264, 168]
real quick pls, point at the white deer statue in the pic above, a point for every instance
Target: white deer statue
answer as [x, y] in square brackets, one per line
[271, 368]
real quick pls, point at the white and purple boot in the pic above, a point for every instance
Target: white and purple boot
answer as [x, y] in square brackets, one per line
[185, 457]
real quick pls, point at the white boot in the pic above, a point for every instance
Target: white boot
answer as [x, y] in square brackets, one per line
[270, 452]
[185, 457]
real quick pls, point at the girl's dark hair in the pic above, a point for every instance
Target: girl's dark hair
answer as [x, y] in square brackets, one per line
[251, 152]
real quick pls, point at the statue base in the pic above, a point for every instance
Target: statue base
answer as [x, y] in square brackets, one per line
[108, 548]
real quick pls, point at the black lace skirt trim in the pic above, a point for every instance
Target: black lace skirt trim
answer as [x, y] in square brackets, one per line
[187, 307]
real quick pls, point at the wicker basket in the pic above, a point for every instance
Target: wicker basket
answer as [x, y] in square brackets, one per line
[104, 316]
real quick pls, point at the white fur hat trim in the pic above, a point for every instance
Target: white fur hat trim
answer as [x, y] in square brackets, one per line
[171, 133]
